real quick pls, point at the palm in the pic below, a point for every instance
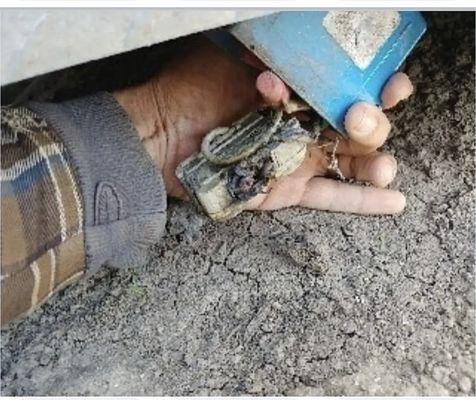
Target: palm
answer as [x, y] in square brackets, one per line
[204, 88]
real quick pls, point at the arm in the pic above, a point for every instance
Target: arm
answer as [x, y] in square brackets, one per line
[78, 192]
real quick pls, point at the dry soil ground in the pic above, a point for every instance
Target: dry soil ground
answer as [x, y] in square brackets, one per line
[292, 302]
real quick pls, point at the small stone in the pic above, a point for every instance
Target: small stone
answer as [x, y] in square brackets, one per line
[411, 391]
[465, 384]
[440, 374]
[349, 327]
[348, 231]
[470, 295]
[45, 357]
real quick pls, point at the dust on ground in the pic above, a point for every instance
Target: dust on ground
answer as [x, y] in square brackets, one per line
[292, 302]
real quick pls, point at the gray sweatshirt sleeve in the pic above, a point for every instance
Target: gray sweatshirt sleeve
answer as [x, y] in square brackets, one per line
[123, 192]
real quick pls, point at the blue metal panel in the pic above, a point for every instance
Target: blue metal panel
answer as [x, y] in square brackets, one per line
[298, 48]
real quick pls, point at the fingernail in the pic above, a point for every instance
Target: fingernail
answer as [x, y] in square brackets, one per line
[367, 124]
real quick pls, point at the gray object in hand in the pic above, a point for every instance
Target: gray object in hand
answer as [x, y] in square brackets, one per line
[239, 162]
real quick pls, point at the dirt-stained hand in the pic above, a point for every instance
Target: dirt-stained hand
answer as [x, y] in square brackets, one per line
[203, 88]
[356, 157]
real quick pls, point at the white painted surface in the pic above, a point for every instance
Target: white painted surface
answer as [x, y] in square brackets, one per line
[37, 41]
[361, 33]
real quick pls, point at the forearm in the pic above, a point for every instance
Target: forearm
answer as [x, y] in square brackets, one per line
[78, 192]
[42, 214]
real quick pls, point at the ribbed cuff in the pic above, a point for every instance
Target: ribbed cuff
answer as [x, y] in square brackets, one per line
[124, 193]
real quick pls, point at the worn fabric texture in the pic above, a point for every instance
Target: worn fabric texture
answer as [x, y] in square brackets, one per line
[124, 196]
[78, 192]
[42, 214]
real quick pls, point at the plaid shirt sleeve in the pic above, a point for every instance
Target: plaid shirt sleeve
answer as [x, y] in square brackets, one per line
[42, 235]
[79, 191]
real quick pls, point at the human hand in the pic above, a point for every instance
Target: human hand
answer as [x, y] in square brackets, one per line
[203, 88]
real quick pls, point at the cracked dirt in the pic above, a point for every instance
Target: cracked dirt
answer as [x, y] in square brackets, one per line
[295, 301]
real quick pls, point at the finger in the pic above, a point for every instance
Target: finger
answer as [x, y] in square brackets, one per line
[330, 195]
[344, 145]
[272, 89]
[376, 168]
[288, 190]
[398, 88]
[367, 124]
